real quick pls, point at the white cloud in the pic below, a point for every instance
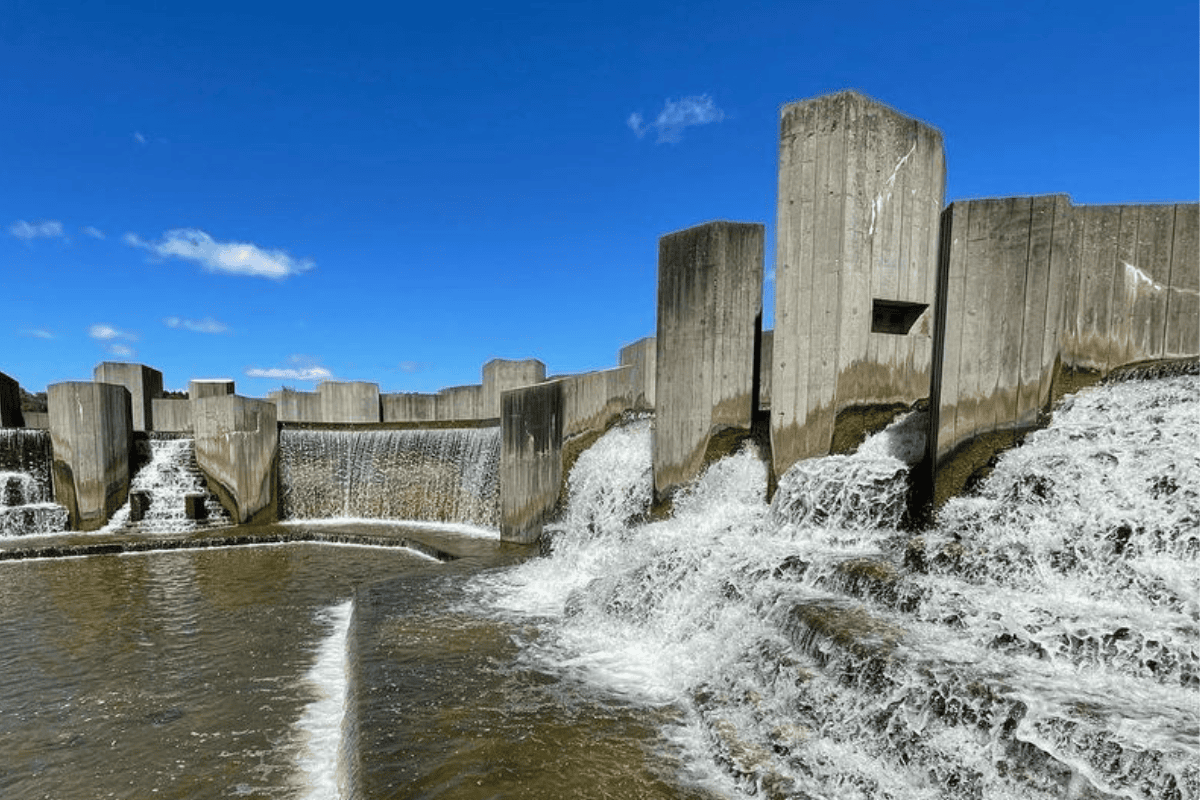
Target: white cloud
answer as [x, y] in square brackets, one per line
[677, 115]
[95, 233]
[124, 351]
[206, 325]
[47, 229]
[139, 138]
[233, 258]
[303, 368]
[37, 333]
[113, 339]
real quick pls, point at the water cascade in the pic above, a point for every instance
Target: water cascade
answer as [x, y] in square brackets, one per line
[1043, 641]
[26, 489]
[439, 475]
[162, 489]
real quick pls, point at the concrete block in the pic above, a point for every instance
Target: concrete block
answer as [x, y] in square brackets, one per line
[531, 440]
[91, 432]
[194, 506]
[293, 406]
[209, 387]
[460, 403]
[861, 188]
[144, 384]
[766, 356]
[236, 443]
[593, 400]
[709, 311]
[409, 407]
[139, 504]
[39, 420]
[1183, 301]
[11, 415]
[172, 414]
[349, 401]
[641, 357]
[500, 375]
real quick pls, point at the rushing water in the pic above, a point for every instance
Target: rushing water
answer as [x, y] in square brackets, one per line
[169, 475]
[1042, 642]
[26, 492]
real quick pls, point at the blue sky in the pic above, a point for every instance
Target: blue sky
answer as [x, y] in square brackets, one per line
[281, 193]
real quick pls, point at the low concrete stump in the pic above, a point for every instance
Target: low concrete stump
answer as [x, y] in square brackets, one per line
[139, 504]
[12, 491]
[194, 506]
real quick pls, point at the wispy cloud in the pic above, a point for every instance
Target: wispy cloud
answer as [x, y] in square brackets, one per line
[122, 350]
[232, 258]
[302, 368]
[113, 339]
[47, 229]
[675, 116]
[95, 233]
[139, 137]
[37, 333]
[206, 325]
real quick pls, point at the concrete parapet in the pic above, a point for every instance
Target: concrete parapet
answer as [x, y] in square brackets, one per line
[460, 402]
[531, 443]
[861, 189]
[11, 415]
[349, 401]
[37, 419]
[709, 311]
[172, 414]
[641, 357]
[593, 400]
[91, 432]
[293, 406]
[409, 407]
[144, 384]
[500, 375]
[236, 443]
[209, 387]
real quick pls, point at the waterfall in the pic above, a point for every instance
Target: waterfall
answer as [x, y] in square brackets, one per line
[435, 475]
[161, 489]
[1043, 641]
[26, 490]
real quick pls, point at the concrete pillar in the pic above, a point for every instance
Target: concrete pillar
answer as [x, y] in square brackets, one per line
[641, 358]
[593, 400]
[709, 309]
[293, 406]
[236, 443]
[409, 407]
[172, 414]
[460, 403]
[766, 350]
[861, 188]
[209, 387]
[500, 375]
[144, 384]
[531, 440]
[349, 401]
[11, 415]
[91, 432]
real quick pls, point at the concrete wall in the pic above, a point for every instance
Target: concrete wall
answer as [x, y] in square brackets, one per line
[209, 387]
[293, 406]
[172, 414]
[91, 432]
[236, 443]
[409, 407]
[860, 193]
[766, 350]
[709, 309]
[531, 440]
[11, 415]
[37, 419]
[641, 358]
[460, 402]
[349, 401]
[500, 375]
[144, 384]
[593, 400]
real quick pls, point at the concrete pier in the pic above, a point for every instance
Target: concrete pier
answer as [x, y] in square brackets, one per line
[237, 439]
[409, 407]
[460, 402]
[500, 375]
[293, 406]
[172, 414]
[641, 358]
[11, 415]
[349, 401]
[861, 189]
[709, 310]
[531, 444]
[91, 431]
[209, 387]
[144, 385]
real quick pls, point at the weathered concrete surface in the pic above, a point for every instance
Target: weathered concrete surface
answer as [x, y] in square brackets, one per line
[409, 407]
[293, 406]
[237, 439]
[531, 442]
[766, 357]
[37, 419]
[709, 310]
[11, 415]
[209, 387]
[641, 357]
[349, 401]
[500, 375]
[861, 188]
[460, 402]
[144, 384]
[594, 400]
[91, 431]
[172, 414]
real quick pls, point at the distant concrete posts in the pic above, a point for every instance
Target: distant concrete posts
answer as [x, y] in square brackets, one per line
[209, 387]
[293, 406]
[172, 414]
[709, 310]
[500, 375]
[144, 384]
[641, 358]
[409, 407]
[460, 402]
[531, 444]
[349, 401]
[11, 415]
[91, 432]
[236, 443]
[860, 193]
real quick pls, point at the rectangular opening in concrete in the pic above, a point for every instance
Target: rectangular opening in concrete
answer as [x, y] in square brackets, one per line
[895, 316]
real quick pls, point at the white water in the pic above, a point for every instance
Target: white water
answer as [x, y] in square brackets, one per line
[1042, 642]
[321, 725]
[169, 476]
[26, 495]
